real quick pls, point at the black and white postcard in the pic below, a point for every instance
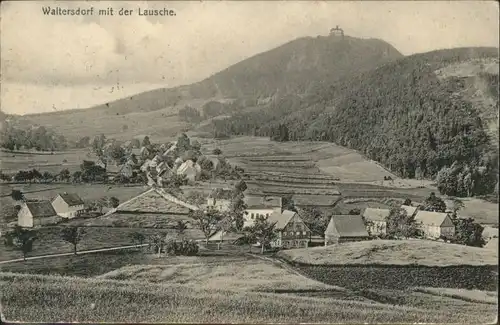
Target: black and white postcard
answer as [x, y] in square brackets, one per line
[249, 162]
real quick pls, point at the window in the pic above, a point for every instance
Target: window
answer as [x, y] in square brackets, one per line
[304, 233]
[252, 215]
[267, 215]
[298, 233]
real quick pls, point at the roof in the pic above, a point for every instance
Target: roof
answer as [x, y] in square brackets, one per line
[71, 199]
[430, 218]
[228, 235]
[262, 202]
[374, 214]
[410, 210]
[155, 201]
[347, 226]
[280, 220]
[41, 209]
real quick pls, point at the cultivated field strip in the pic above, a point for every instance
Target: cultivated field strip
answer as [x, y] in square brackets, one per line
[264, 183]
[285, 175]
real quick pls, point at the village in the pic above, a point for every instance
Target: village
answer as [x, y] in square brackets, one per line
[227, 214]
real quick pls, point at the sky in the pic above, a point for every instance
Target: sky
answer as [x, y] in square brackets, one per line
[65, 62]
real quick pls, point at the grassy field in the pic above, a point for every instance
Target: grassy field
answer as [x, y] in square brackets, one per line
[50, 242]
[215, 289]
[52, 163]
[394, 252]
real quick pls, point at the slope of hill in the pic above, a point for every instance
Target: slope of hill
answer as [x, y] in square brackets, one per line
[415, 115]
[295, 67]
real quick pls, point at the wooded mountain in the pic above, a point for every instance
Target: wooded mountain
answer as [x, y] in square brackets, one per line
[294, 67]
[415, 115]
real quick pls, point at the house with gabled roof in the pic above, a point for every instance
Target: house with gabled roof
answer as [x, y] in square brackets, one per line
[291, 229]
[375, 220]
[260, 206]
[156, 206]
[345, 228]
[68, 205]
[37, 213]
[435, 224]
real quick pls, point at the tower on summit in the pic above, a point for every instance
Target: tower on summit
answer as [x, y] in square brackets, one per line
[337, 31]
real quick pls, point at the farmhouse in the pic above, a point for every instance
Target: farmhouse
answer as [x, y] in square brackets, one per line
[345, 228]
[68, 205]
[260, 206]
[375, 219]
[37, 213]
[157, 206]
[190, 169]
[292, 231]
[435, 224]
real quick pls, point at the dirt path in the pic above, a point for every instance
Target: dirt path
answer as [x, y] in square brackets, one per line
[72, 254]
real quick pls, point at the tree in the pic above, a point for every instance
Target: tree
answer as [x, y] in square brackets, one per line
[249, 237]
[113, 202]
[65, 175]
[217, 152]
[138, 237]
[237, 211]
[400, 224]
[407, 202]
[241, 186]
[77, 176]
[116, 153]
[157, 242]
[17, 195]
[315, 220]
[206, 221]
[21, 239]
[469, 233]
[195, 197]
[72, 235]
[434, 203]
[181, 227]
[47, 176]
[288, 203]
[263, 231]
[146, 142]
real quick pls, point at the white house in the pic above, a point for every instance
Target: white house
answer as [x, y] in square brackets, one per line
[68, 205]
[190, 169]
[39, 213]
[376, 220]
[435, 224]
[260, 206]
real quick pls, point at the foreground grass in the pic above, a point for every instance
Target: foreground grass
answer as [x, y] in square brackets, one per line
[246, 275]
[489, 297]
[53, 298]
[394, 252]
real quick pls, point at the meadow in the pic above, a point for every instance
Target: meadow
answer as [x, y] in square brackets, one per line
[49, 240]
[393, 252]
[228, 289]
[12, 162]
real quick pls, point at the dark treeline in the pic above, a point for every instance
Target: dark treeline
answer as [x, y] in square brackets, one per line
[400, 115]
[39, 138]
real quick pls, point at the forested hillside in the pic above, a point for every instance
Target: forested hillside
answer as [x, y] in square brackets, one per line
[407, 114]
[294, 67]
